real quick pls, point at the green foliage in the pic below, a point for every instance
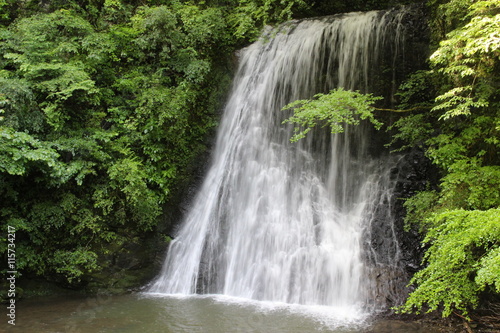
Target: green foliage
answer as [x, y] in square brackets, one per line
[447, 15]
[338, 108]
[99, 127]
[17, 107]
[471, 186]
[412, 130]
[20, 152]
[47, 51]
[488, 272]
[467, 186]
[415, 91]
[460, 135]
[250, 15]
[468, 59]
[462, 261]
[74, 264]
[419, 207]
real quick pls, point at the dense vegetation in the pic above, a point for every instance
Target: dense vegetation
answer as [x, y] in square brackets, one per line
[461, 135]
[107, 104]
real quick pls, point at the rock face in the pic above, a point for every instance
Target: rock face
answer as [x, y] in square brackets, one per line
[416, 173]
[413, 173]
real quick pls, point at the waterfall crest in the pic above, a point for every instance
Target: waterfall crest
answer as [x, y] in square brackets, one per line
[288, 222]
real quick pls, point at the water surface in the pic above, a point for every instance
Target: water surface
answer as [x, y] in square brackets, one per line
[146, 313]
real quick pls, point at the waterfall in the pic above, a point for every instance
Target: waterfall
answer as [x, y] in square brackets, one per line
[290, 222]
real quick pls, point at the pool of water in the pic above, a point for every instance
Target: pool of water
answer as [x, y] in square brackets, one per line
[146, 313]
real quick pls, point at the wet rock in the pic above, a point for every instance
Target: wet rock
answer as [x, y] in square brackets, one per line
[394, 253]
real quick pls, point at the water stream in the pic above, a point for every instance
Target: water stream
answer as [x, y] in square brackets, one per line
[285, 222]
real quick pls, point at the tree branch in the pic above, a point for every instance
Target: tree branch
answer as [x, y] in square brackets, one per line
[405, 110]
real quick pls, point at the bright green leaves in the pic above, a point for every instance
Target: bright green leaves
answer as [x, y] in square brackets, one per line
[462, 261]
[468, 59]
[460, 135]
[251, 15]
[338, 108]
[204, 28]
[475, 139]
[50, 36]
[471, 186]
[49, 54]
[128, 176]
[488, 272]
[73, 264]
[21, 152]
[467, 185]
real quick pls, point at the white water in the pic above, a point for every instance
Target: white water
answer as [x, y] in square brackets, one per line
[285, 222]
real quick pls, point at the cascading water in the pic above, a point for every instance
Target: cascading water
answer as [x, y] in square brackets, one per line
[281, 221]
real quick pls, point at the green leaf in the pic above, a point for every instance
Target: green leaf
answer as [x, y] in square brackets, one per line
[335, 109]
